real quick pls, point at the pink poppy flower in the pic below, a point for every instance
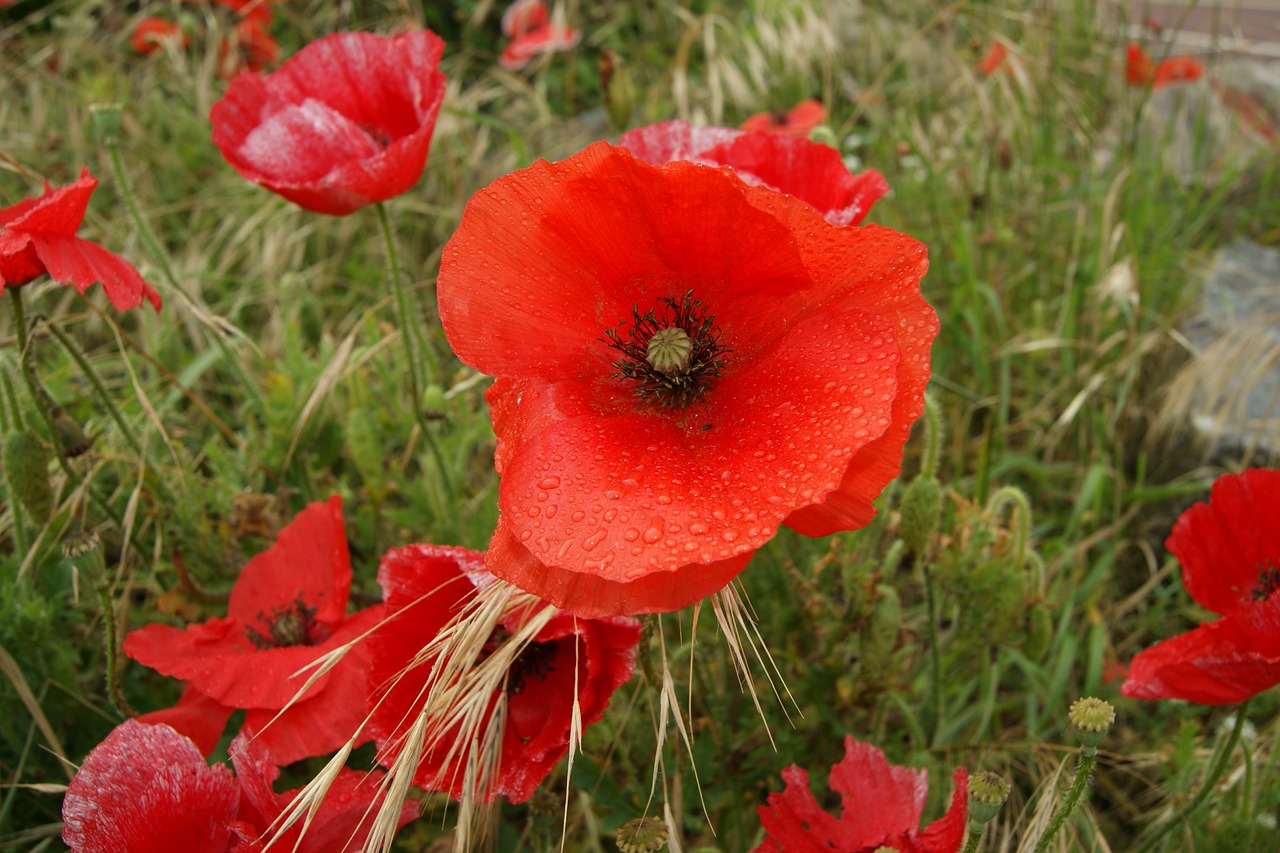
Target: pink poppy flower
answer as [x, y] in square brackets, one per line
[424, 587]
[1230, 554]
[881, 806]
[810, 171]
[288, 608]
[345, 122]
[800, 120]
[528, 24]
[38, 237]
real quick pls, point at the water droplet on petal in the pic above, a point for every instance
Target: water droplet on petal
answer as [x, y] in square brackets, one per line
[549, 483]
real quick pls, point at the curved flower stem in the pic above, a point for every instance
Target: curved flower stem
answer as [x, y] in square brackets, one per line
[408, 334]
[1012, 495]
[1217, 766]
[109, 647]
[39, 398]
[1084, 769]
[162, 259]
[974, 838]
[935, 658]
[92, 375]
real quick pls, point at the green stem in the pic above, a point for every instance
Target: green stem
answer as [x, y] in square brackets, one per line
[162, 258]
[935, 658]
[1084, 768]
[109, 641]
[974, 839]
[92, 375]
[1012, 495]
[1217, 766]
[932, 438]
[21, 542]
[39, 397]
[408, 334]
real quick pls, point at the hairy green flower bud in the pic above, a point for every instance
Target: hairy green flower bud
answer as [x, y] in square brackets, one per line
[1039, 635]
[26, 466]
[880, 635]
[921, 508]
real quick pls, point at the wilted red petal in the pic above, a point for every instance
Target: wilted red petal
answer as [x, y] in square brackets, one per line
[147, 789]
[1225, 544]
[345, 122]
[195, 716]
[1229, 660]
[812, 172]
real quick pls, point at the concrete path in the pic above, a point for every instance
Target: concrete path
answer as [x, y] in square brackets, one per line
[1246, 28]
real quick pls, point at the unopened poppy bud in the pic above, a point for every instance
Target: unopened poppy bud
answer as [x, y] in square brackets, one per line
[921, 507]
[84, 550]
[618, 91]
[987, 793]
[641, 835]
[106, 121]
[26, 466]
[1039, 635]
[824, 135]
[433, 398]
[365, 449]
[70, 435]
[1092, 718]
[669, 351]
[880, 635]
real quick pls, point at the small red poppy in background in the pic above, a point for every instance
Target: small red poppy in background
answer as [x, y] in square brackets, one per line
[810, 171]
[38, 237]
[1174, 69]
[424, 587]
[249, 48]
[797, 121]
[881, 806]
[1230, 554]
[287, 609]
[528, 24]
[345, 122]
[685, 362]
[152, 32]
[993, 58]
[147, 789]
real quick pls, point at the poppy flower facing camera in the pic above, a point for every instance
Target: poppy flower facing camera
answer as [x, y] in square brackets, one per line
[1230, 554]
[344, 123]
[684, 362]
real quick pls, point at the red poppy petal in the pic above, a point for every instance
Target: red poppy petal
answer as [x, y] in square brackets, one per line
[592, 596]
[635, 494]
[1139, 68]
[545, 39]
[947, 833]
[524, 15]
[805, 116]
[761, 122]
[675, 140]
[1220, 662]
[993, 58]
[147, 789]
[1177, 69]
[1224, 544]
[60, 210]
[344, 123]
[70, 260]
[309, 562]
[879, 799]
[19, 262]
[151, 33]
[795, 822]
[196, 716]
[571, 248]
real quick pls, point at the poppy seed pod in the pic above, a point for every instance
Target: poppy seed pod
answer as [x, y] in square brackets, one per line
[26, 467]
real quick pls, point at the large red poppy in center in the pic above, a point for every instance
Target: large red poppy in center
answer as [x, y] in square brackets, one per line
[684, 363]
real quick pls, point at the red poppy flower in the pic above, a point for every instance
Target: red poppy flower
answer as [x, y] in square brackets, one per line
[528, 24]
[249, 48]
[1230, 554]
[684, 363]
[881, 805]
[345, 122]
[811, 172]
[256, 10]
[797, 121]
[1140, 71]
[340, 825]
[152, 32]
[38, 236]
[147, 789]
[993, 58]
[427, 585]
[288, 608]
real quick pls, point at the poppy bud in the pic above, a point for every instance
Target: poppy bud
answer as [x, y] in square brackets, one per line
[1092, 719]
[433, 401]
[1035, 643]
[26, 466]
[987, 793]
[921, 507]
[881, 633]
[641, 835]
[106, 121]
[362, 442]
[72, 438]
[618, 91]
